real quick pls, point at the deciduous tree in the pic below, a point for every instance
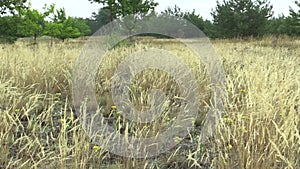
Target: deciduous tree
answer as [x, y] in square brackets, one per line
[122, 8]
[64, 27]
[32, 22]
[11, 6]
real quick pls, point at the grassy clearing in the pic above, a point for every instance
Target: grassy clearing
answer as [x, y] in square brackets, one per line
[261, 129]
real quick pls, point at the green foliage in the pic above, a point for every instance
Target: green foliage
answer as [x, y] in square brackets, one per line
[135, 9]
[99, 19]
[27, 23]
[205, 26]
[8, 30]
[231, 18]
[53, 29]
[32, 22]
[277, 26]
[210, 30]
[294, 21]
[289, 25]
[242, 18]
[63, 27]
[195, 19]
[130, 7]
[176, 11]
[81, 25]
[11, 6]
[62, 30]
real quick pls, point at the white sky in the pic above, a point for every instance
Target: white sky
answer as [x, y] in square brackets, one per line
[83, 8]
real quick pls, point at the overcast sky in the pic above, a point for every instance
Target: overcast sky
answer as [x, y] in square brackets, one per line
[83, 8]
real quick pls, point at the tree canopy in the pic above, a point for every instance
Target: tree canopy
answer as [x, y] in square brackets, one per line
[11, 6]
[231, 19]
[129, 7]
[240, 18]
[99, 19]
[28, 22]
[294, 20]
[64, 27]
[32, 22]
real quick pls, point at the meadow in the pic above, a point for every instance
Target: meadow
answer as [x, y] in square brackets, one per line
[260, 125]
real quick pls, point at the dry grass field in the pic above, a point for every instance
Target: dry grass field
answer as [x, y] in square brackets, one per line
[261, 123]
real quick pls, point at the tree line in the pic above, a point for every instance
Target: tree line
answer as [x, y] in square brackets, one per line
[231, 19]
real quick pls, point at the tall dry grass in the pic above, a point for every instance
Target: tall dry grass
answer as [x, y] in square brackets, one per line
[261, 122]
